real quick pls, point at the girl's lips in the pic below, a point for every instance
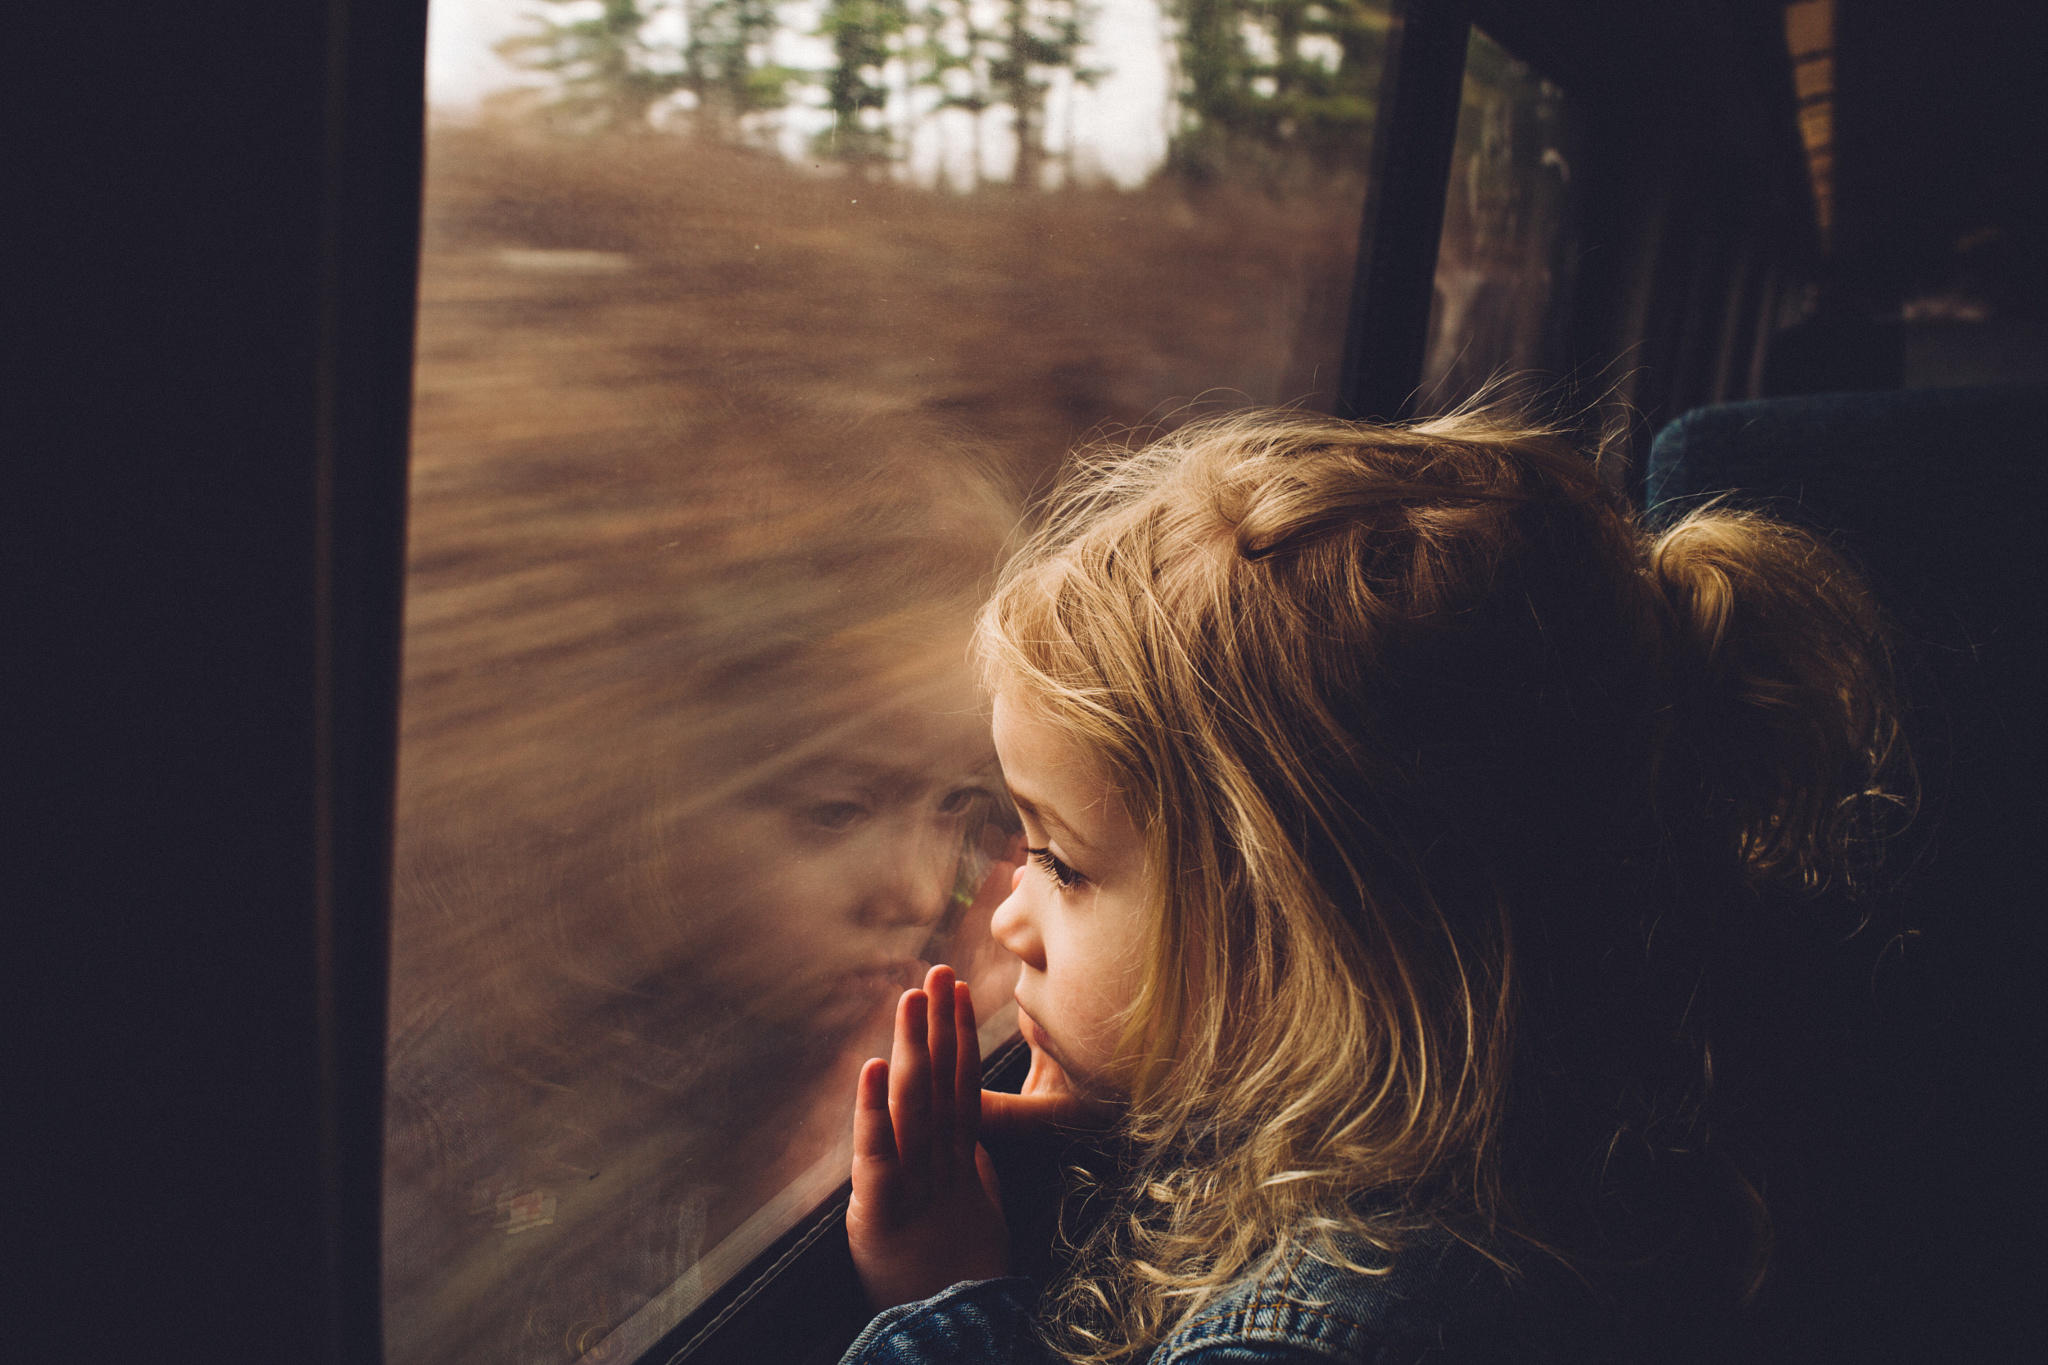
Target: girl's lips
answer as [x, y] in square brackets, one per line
[1028, 1027]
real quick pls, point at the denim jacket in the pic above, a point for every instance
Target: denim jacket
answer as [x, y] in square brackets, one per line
[1440, 1303]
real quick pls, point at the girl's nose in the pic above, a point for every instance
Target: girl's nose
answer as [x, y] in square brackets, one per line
[1013, 927]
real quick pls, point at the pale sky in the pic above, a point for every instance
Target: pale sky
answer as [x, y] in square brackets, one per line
[1123, 119]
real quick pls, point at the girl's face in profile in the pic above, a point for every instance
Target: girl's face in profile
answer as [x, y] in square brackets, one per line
[1075, 917]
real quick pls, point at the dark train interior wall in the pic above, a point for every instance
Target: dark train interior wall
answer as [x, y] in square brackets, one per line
[1935, 276]
[210, 314]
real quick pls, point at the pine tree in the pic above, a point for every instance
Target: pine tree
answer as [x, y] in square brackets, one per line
[1323, 107]
[981, 57]
[1038, 37]
[727, 62]
[954, 59]
[865, 35]
[1214, 66]
[1270, 83]
[609, 75]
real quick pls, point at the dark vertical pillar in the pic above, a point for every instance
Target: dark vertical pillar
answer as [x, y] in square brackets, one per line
[212, 301]
[1411, 162]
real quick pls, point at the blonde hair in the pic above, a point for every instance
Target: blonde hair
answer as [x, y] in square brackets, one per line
[1426, 734]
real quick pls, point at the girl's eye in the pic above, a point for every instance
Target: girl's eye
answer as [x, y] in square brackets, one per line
[833, 816]
[1066, 878]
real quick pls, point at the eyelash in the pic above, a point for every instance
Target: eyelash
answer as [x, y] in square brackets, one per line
[1066, 878]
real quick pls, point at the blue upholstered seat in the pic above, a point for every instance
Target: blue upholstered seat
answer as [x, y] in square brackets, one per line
[1912, 1188]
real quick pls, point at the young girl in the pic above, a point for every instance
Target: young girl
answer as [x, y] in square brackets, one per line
[1403, 819]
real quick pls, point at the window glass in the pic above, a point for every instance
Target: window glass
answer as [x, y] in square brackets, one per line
[745, 329]
[1506, 258]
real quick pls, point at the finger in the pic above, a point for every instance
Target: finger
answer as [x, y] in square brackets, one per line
[985, 1168]
[942, 1046]
[967, 1080]
[910, 1090]
[1048, 1099]
[874, 1140]
[1006, 1115]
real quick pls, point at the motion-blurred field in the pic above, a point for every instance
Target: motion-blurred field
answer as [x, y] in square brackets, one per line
[712, 455]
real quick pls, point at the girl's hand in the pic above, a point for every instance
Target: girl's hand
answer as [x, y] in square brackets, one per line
[925, 1211]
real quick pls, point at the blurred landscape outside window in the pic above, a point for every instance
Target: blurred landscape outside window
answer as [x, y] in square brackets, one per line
[746, 331]
[1508, 253]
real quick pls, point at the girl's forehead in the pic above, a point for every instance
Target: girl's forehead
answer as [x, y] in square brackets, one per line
[1027, 738]
[1048, 769]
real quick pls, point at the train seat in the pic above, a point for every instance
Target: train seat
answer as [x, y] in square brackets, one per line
[1910, 1186]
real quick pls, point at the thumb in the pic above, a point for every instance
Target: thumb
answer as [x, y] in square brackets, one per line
[1007, 1115]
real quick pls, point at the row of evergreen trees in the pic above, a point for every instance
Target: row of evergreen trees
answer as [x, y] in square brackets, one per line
[1260, 81]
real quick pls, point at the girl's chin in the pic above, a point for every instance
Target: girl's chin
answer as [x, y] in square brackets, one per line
[1034, 1034]
[1089, 1084]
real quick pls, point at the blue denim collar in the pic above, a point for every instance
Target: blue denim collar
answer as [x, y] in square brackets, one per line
[1434, 1290]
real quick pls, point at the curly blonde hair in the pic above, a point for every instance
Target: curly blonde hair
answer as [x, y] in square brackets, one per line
[1434, 745]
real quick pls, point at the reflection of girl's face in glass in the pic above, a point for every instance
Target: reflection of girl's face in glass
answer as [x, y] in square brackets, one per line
[827, 879]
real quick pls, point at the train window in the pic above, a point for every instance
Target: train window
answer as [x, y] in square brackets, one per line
[743, 328]
[1506, 257]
